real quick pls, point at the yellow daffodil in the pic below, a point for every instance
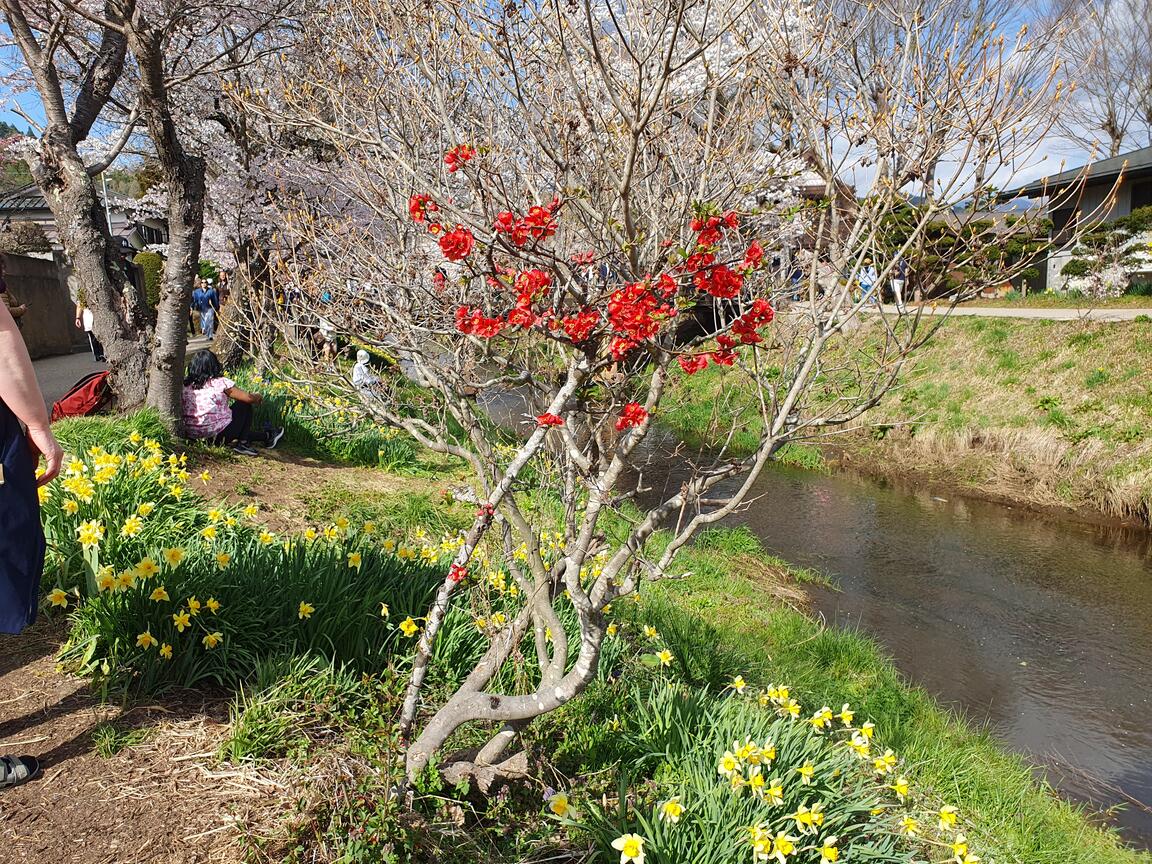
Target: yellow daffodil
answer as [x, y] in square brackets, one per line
[331, 533]
[846, 714]
[948, 816]
[665, 657]
[146, 509]
[267, 538]
[829, 851]
[774, 793]
[671, 810]
[884, 764]
[389, 545]
[900, 787]
[90, 534]
[612, 629]
[341, 523]
[166, 651]
[783, 845]
[368, 528]
[409, 627]
[215, 515]
[808, 819]
[738, 684]
[868, 729]
[223, 559]
[135, 438]
[205, 477]
[806, 771]
[384, 611]
[909, 826]
[159, 594]
[250, 511]
[211, 640]
[71, 507]
[181, 620]
[132, 526]
[561, 807]
[173, 556]
[106, 579]
[630, 847]
[212, 605]
[146, 640]
[193, 606]
[729, 764]
[305, 610]
[309, 533]
[615, 724]
[58, 597]
[209, 532]
[650, 632]
[959, 846]
[354, 560]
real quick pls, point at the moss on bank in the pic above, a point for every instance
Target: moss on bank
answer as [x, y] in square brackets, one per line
[1050, 413]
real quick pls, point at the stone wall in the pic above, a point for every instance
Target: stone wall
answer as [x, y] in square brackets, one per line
[48, 326]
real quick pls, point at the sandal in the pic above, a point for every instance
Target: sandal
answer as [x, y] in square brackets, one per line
[17, 770]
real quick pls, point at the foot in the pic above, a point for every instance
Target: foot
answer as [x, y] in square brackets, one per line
[244, 450]
[17, 770]
[274, 436]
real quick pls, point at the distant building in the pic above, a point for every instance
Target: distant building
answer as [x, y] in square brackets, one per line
[27, 204]
[1083, 193]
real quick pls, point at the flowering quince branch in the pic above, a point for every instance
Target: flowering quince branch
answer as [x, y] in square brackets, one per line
[620, 203]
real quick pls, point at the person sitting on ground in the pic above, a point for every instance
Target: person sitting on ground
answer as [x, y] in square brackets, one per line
[217, 411]
[363, 378]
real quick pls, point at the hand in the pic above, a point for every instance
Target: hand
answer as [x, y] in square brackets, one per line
[44, 443]
[79, 323]
[257, 398]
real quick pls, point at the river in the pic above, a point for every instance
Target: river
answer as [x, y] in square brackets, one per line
[1039, 628]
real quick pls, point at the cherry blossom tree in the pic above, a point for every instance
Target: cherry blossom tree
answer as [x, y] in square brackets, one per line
[133, 68]
[551, 212]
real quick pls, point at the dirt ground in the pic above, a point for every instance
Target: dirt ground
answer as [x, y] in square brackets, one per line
[160, 800]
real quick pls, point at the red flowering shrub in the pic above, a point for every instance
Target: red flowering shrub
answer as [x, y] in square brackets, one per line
[419, 206]
[580, 326]
[474, 323]
[549, 420]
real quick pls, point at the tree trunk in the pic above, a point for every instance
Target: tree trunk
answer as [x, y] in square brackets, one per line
[184, 174]
[250, 284]
[80, 220]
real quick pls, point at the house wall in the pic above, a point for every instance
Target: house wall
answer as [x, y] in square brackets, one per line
[48, 326]
[1091, 207]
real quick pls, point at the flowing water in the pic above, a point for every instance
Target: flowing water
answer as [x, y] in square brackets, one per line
[1041, 629]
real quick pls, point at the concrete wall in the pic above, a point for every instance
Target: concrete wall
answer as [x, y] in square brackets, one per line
[47, 326]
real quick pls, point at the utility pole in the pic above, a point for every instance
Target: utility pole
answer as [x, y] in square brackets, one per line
[107, 208]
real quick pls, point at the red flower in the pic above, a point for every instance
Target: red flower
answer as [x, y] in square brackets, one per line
[580, 326]
[419, 206]
[636, 313]
[720, 281]
[549, 420]
[457, 573]
[457, 244]
[457, 156]
[521, 316]
[584, 258]
[760, 314]
[731, 220]
[505, 222]
[693, 363]
[634, 415]
[754, 257]
[666, 285]
[438, 280]
[724, 358]
[533, 283]
[474, 323]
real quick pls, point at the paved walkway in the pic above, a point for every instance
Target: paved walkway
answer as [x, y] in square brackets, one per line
[1055, 313]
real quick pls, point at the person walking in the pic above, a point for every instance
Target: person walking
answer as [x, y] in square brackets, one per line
[84, 321]
[21, 535]
[209, 309]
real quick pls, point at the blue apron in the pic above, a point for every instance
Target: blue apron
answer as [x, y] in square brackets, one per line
[21, 536]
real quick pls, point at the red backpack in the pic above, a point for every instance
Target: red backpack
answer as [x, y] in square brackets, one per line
[87, 396]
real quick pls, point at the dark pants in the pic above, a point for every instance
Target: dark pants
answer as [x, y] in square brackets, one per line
[240, 429]
[97, 348]
[21, 536]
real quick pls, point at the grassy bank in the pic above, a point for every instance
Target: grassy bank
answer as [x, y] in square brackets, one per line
[307, 636]
[1049, 413]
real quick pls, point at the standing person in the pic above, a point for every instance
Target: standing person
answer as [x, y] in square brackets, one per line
[217, 411]
[899, 280]
[867, 280]
[84, 320]
[209, 308]
[196, 308]
[21, 535]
